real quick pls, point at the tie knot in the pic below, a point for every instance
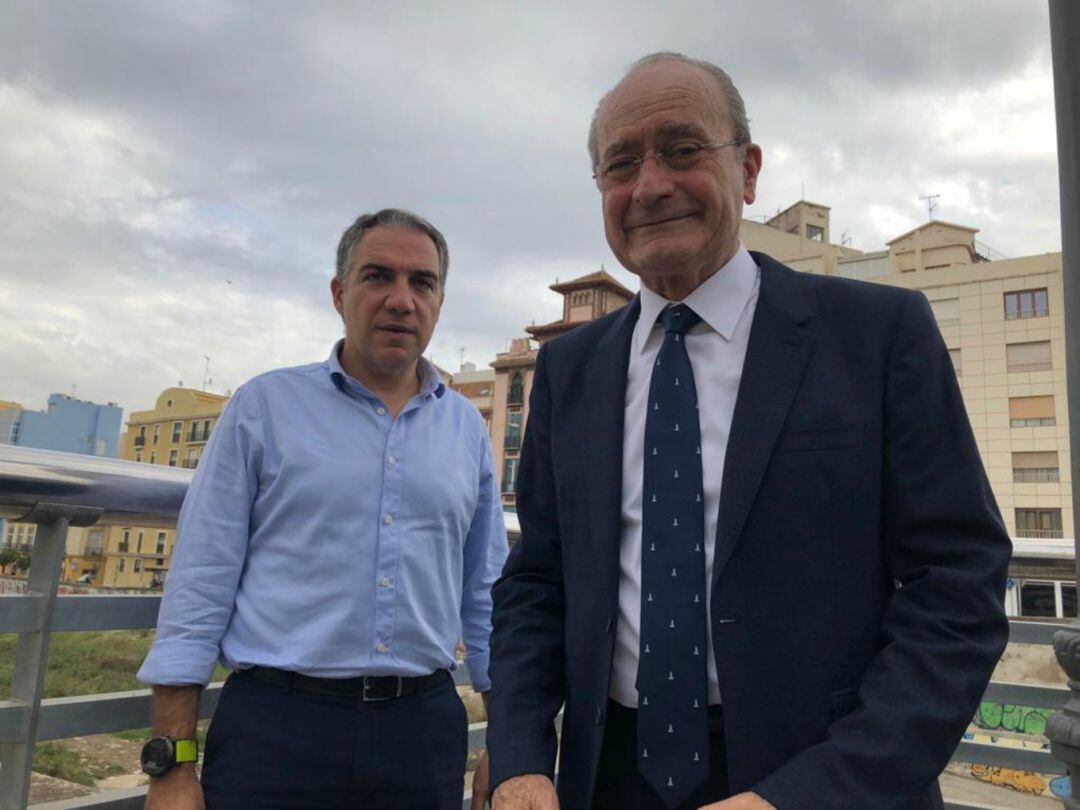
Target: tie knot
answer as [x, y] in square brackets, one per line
[679, 319]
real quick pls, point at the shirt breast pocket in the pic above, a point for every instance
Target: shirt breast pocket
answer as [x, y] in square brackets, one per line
[816, 439]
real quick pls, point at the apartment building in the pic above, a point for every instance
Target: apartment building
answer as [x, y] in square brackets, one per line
[173, 433]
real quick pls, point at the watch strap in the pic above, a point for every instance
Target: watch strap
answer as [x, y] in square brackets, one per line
[186, 750]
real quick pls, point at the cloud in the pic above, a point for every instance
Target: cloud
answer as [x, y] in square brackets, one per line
[175, 177]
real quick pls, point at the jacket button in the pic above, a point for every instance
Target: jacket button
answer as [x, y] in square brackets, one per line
[599, 716]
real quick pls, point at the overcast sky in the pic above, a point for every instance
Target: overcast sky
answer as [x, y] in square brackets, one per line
[174, 177]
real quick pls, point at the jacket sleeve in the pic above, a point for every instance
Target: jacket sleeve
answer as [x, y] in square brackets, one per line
[527, 646]
[944, 627]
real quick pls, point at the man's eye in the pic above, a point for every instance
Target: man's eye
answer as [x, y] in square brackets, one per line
[622, 164]
[426, 283]
[683, 150]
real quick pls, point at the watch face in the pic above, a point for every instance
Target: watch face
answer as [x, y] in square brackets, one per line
[157, 756]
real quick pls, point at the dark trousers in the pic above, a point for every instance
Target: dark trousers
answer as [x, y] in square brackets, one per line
[619, 783]
[272, 748]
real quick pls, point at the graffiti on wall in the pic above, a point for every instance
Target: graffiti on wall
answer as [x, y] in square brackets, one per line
[1008, 717]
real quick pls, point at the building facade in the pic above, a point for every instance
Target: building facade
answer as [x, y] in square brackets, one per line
[478, 386]
[70, 425]
[173, 433]
[584, 299]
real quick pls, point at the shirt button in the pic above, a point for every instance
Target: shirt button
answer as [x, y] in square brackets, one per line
[385, 582]
[388, 519]
[392, 460]
[380, 411]
[382, 647]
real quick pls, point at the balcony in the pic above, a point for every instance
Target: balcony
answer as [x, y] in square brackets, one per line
[512, 441]
[1041, 534]
[140, 441]
[116, 493]
[189, 463]
[198, 436]
[1036, 475]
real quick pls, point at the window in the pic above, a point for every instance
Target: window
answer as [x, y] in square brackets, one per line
[954, 355]
[137, 567]
[947, 309]
[815, 233]
[140, 438]
[160, 543]
[120, 566]
[1038, 599]
[509, 480]
[513, 431]
[125, 541]
[1068, 601]
[206, 429]
[177, 431]
[174, 456]
[1035, 467]
[1050, 600]
[517, 390]
[1038, 523]
[1026, 304]
[138, 456]
[153, 456]
[1034, 356]
[95, 542]
[1031, 411]
[157, 432]
[138, 543]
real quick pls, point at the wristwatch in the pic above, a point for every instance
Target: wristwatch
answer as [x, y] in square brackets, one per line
[161, 754]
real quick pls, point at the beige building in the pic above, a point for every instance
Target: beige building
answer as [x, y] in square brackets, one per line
[173, 433]
[477, 386]
[1003, 324]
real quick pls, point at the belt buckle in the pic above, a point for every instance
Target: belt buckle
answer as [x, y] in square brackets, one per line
[369, 679]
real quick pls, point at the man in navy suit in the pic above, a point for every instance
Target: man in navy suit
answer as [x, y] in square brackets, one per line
[796, 450]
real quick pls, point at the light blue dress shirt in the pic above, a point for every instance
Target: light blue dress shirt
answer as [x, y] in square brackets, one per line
[323, 536]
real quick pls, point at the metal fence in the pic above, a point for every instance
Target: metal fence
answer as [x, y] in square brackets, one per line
[58, 490]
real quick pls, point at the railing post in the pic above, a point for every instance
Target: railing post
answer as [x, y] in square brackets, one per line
[1063, 728]
[32, 652]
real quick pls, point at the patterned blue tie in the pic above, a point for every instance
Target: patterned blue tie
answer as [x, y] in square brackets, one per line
[672, 680]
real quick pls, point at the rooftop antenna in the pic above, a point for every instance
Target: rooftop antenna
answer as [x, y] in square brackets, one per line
[461, 352]
[206, 375]
[931, 204]
[845, 239]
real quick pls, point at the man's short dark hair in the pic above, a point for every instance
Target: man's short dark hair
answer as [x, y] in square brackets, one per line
[391, 218]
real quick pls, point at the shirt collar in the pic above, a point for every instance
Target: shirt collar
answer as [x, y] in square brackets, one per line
[431, 383]
[720, 300]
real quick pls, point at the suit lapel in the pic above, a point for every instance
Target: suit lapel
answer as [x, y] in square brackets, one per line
[606, 381]
[781, 342]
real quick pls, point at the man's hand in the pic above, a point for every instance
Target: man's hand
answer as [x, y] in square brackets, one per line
[179, 789]
[531, 791]
[744, 801]
[480, 784]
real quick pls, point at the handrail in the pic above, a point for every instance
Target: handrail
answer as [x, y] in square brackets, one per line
[127, 491]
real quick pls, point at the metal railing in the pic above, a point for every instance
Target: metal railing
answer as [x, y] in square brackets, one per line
[1036, 475]
[58, 490]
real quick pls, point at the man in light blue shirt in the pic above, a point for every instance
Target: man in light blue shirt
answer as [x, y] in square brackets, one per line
[340, 536]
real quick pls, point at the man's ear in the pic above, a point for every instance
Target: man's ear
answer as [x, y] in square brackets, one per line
[337, 291]
[751, 165]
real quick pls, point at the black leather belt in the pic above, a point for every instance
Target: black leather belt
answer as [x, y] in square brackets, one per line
[368, 688]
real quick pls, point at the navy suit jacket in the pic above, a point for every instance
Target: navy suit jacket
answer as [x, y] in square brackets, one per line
[860, 558]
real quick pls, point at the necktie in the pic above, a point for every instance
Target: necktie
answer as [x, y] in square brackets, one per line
[672, 680]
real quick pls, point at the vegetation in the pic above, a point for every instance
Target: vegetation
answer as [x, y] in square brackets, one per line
[86, 663]
[55, 760]
[19, 560]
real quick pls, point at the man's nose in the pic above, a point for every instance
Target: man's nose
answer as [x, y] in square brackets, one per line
[653, 182]
[400, 297]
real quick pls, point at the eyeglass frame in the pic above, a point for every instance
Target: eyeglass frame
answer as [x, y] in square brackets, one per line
[658, 155]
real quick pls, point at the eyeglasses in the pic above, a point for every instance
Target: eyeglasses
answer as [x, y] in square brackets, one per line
[679, 157]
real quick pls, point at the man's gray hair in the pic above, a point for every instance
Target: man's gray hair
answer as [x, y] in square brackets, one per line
[736, 107]
[390, 218]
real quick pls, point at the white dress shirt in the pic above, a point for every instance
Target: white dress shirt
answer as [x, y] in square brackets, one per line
[717, 349]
